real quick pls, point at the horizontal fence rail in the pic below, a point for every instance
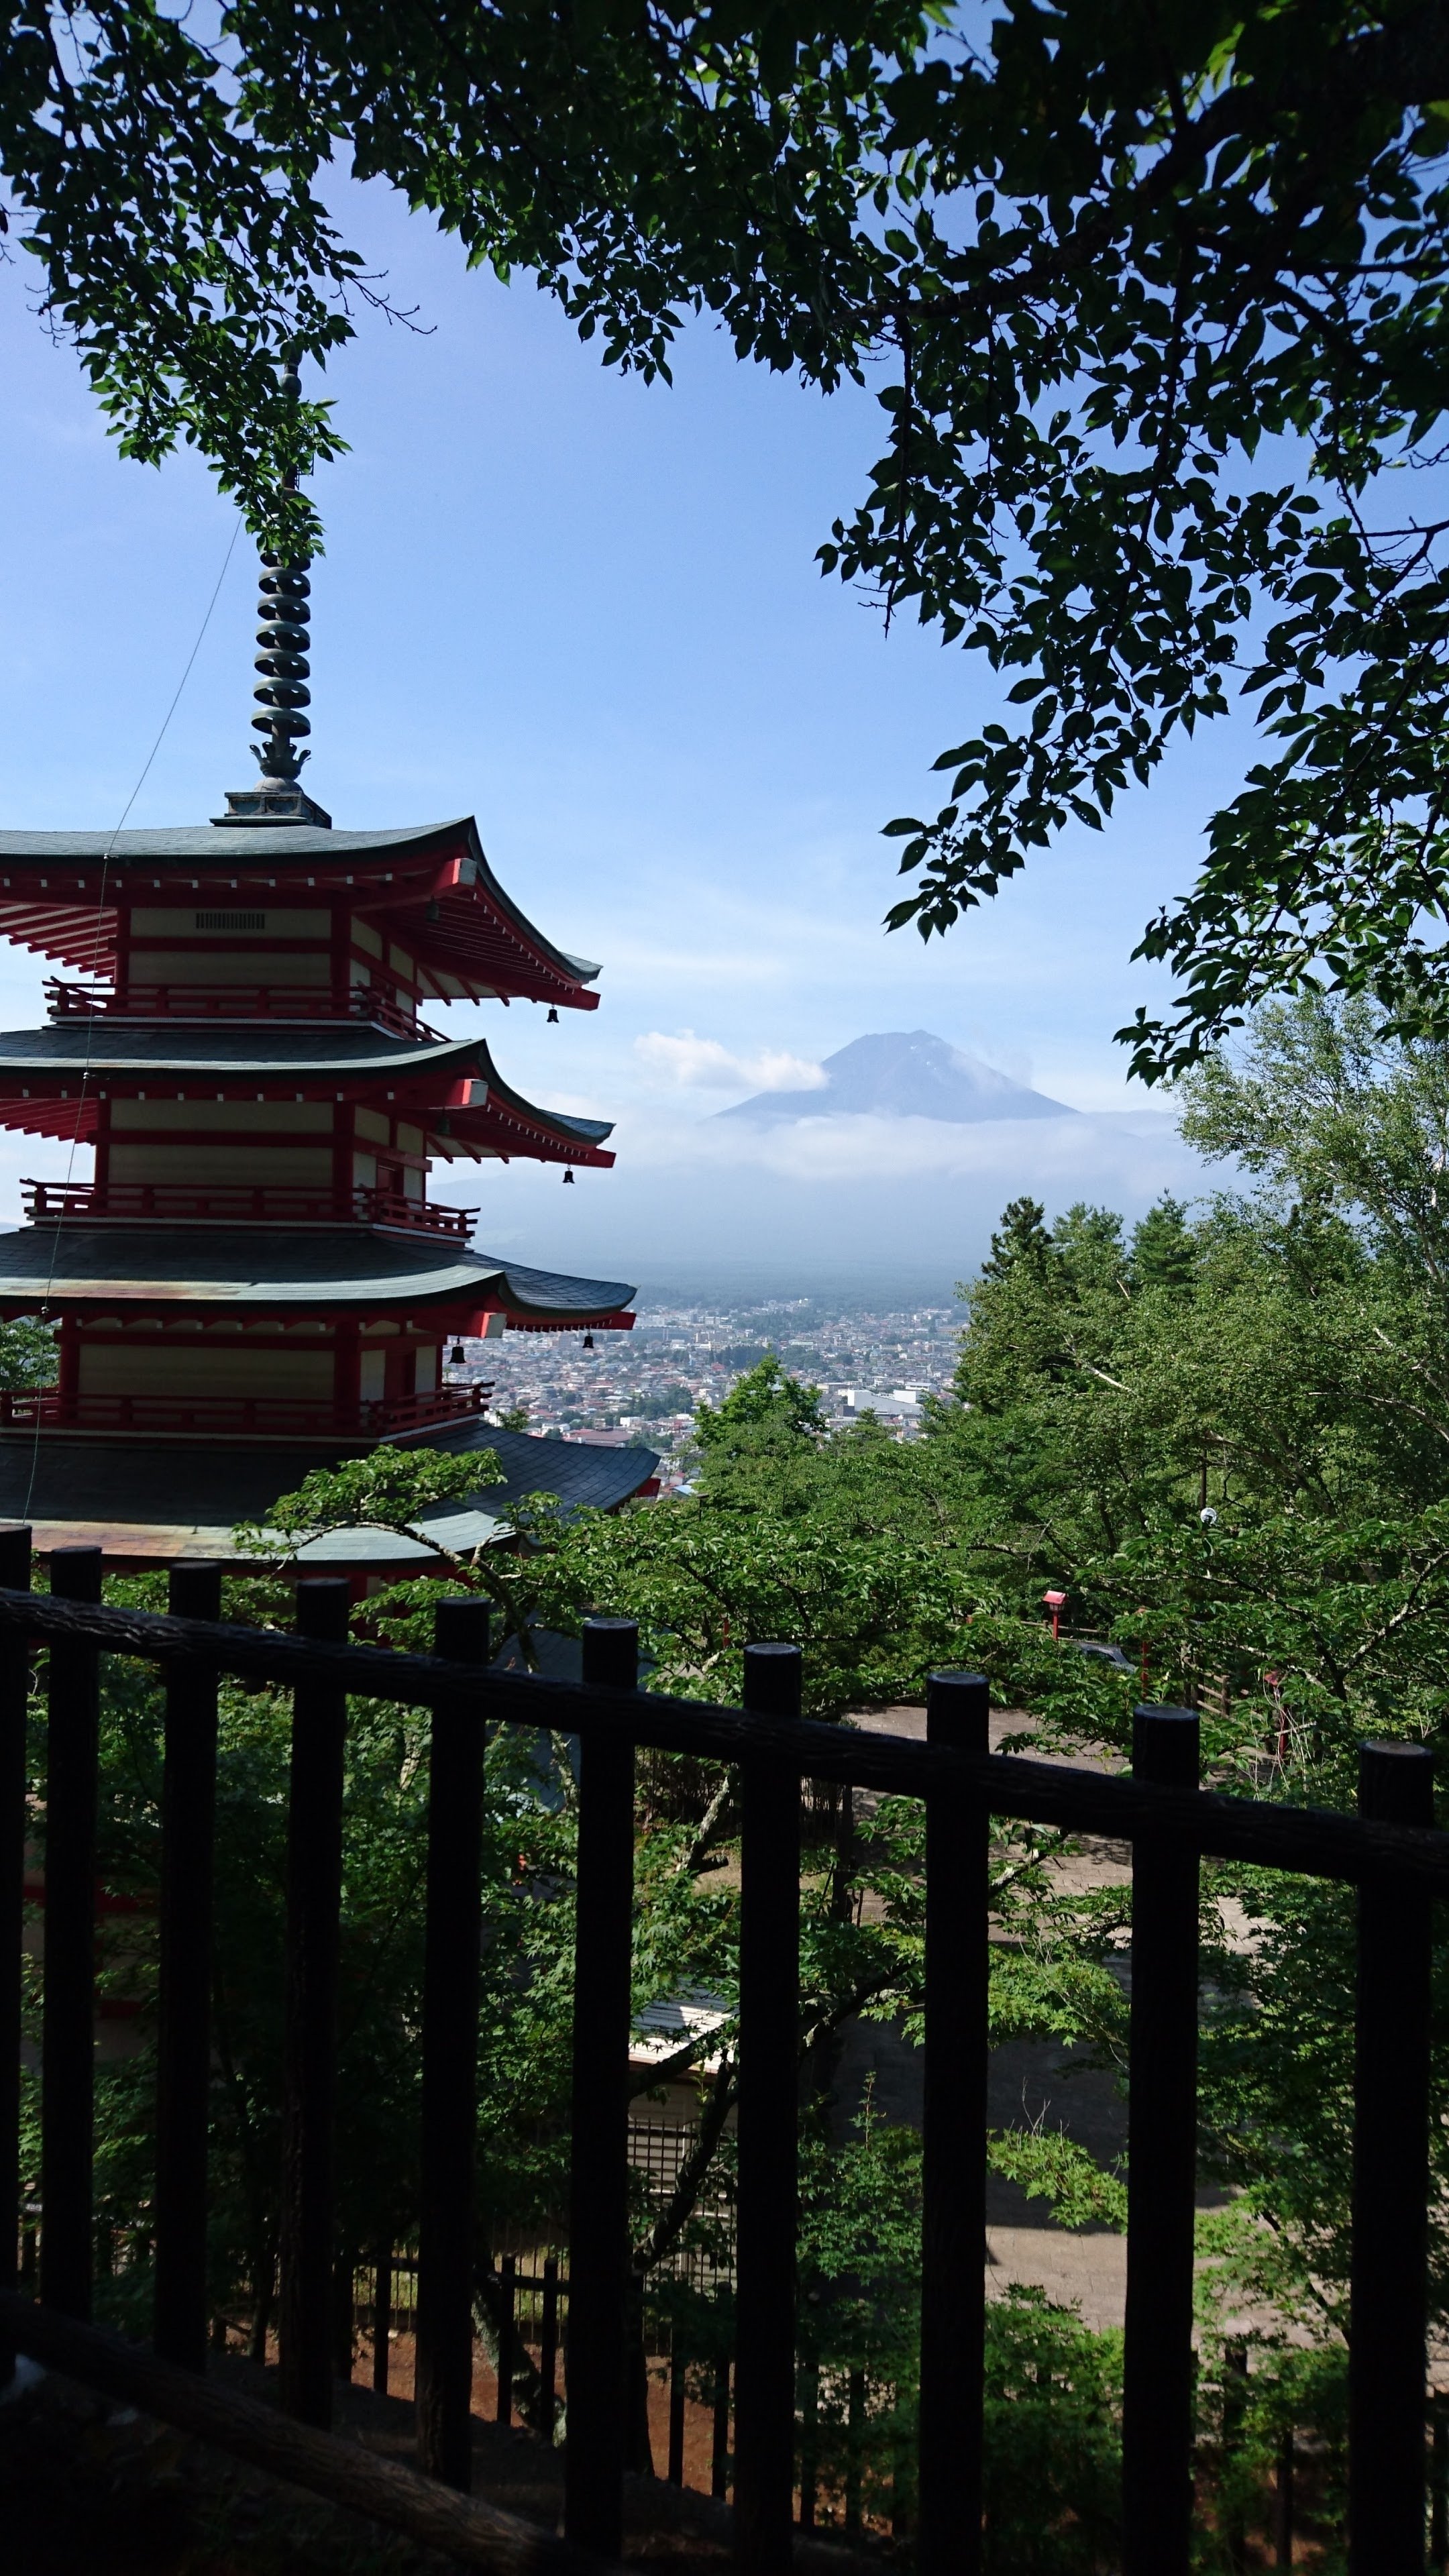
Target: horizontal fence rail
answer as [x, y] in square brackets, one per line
[1388, 1850]
[1315, 1842]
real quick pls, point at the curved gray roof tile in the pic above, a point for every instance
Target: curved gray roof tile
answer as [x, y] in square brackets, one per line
[266, 1266]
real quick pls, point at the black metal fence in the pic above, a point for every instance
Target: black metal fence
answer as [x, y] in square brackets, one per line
[1388, 1851]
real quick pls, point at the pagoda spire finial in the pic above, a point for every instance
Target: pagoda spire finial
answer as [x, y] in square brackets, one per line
[284, 609]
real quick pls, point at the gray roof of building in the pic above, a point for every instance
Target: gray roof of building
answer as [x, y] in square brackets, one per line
[220, 844]
[265, 1266]
[154, 1500]
[311, 1051]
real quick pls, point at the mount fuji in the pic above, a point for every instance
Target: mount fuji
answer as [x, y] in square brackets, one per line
[903, 1074]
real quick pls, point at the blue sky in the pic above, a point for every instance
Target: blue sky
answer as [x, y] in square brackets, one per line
[589, 612]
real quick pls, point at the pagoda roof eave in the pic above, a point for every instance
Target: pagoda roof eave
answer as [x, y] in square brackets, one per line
[292, 858]
[320, 1055]
[261, 1270]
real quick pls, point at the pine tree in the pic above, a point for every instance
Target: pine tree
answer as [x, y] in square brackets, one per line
[1164, 1254]
[1022, 1238]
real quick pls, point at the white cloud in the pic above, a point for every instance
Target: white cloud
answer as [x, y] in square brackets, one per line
[1083, 1154]
[703, 1064]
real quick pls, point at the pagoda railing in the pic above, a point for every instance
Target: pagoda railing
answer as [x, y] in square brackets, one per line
[67, 1001]
[1388, 1855]
[269, 1417]
[185, 1203]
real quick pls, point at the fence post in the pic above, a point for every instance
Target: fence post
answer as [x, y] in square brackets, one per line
[309, 2042]
[183, 2032]
[953, 2212]
[1157, 2404]
[451, 1943]
[1437, 2487]
[67, 2084]
[548, 2349]
[1388, 2287]
[594, 2423]
[768, 2130]
[676, 2411]
[507, 2336]
[14, 1695]
[719, 2445]
[381, 2316]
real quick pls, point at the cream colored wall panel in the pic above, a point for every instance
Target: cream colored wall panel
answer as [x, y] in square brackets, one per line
[166, 1369]
[270, 966]
[225, 1166]
[224, 1117]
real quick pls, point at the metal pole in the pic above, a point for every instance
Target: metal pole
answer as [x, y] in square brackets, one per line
[450, 2057]
[1388, 2285]
[183, 2036]
[768, 2128]
[1161, 2170]
[599, 2166]
[67, 2084]
[953, 2215]
[14, 1698]
[309, 2043]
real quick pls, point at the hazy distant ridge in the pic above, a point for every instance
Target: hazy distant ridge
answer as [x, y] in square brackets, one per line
[904, 1074]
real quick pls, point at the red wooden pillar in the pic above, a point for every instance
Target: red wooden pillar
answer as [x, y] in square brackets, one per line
[341, 959]
[347, 1372]
[102, 1152]
[68, 1354]
[343, 1124]
[123, 950]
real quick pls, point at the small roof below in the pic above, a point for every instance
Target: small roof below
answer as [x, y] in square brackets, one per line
[251, 1267]
[150, 1505]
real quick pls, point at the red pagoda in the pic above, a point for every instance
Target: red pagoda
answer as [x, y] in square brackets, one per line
[255, 1280]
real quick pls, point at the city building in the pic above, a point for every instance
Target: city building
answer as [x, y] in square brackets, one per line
[254, 1280]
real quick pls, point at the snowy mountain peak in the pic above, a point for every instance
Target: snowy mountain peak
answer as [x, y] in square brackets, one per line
[904, 1074]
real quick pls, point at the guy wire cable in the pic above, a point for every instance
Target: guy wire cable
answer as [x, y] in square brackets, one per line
[91, 1016]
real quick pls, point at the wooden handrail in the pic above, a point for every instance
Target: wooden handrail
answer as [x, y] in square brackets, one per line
[1315, 1842]
[437, 2517]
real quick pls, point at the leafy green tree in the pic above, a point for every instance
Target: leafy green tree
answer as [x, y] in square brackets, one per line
[1162, 300]
[27, 1354]
[766, 1406]
[171, 189]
